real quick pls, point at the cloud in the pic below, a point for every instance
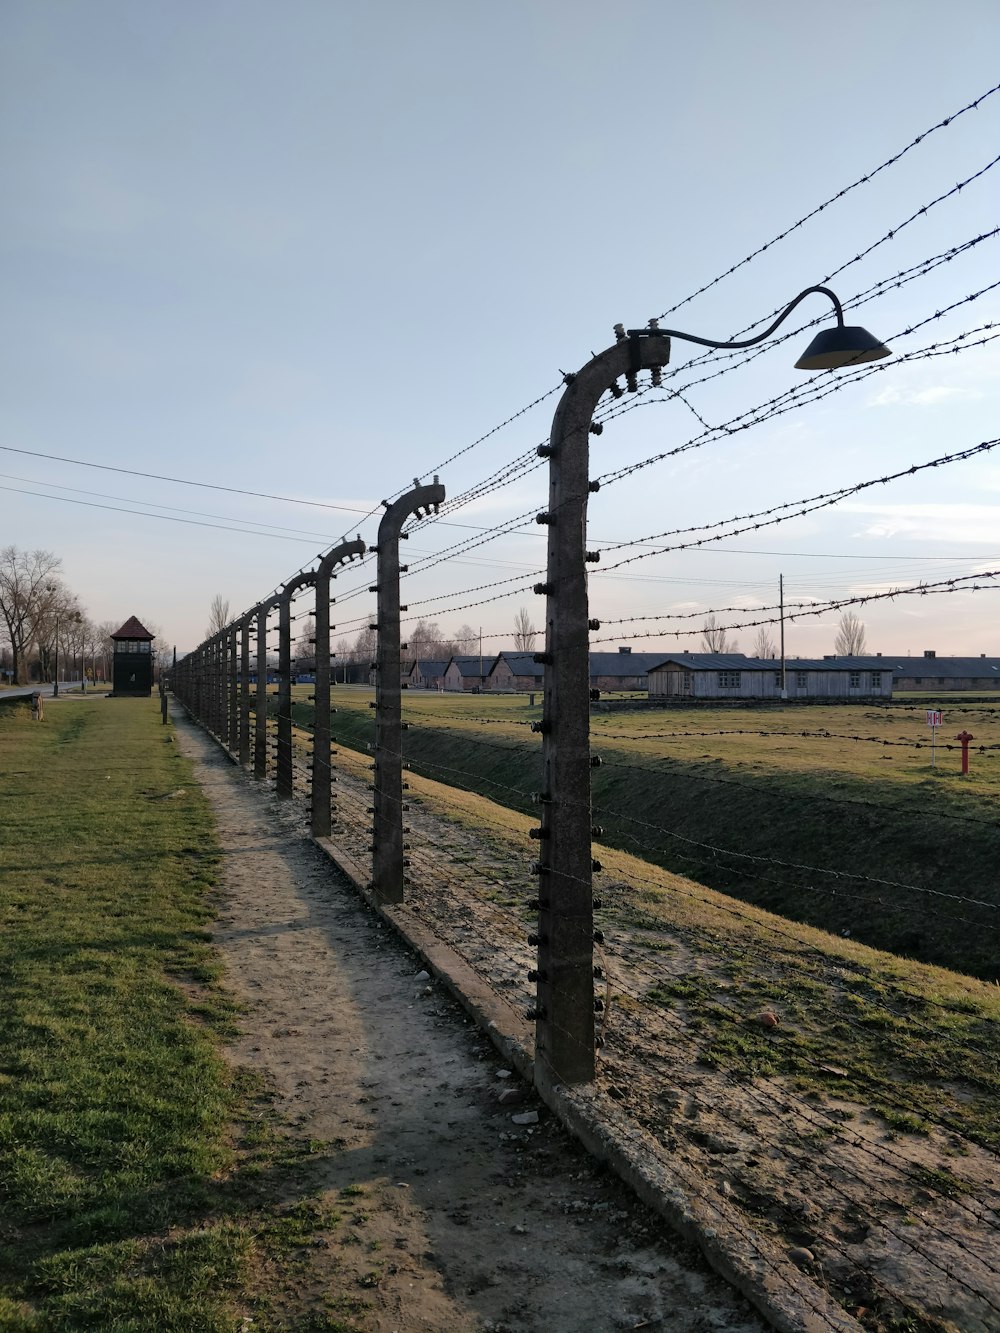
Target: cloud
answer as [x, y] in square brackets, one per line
[893, 396]
[968, 523]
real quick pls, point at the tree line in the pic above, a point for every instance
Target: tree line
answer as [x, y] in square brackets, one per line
[851, 639]
[44, 627]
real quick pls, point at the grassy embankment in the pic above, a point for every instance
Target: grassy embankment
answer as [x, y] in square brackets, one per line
[915, 1043]
[877, 812]
[138, 1171]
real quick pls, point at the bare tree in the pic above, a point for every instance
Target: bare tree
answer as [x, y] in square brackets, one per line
[218, 615]
[713, 637]
[763, 644]
[28, 585]
[305, 646]
[465, 642]
[424, 641]
[524, 631]
[106, 647]
[850, 640]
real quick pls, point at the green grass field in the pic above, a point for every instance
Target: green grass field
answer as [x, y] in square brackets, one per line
[859, 837]
[136, 1166]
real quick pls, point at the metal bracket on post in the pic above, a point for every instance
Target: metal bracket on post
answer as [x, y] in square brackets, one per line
[387, 863]
[321, 775]
[284, 602]
[564, 1008]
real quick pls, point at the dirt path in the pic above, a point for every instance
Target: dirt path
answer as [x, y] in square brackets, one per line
[454, 1217]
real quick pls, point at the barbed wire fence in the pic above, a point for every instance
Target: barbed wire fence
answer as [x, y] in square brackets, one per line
[568, 959]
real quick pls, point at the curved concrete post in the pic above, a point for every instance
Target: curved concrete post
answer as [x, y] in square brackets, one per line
[387, 843]
[260, 699]
[243, 738]
[232, 682]
[564, 1010]
[322, 777]
[284, 601]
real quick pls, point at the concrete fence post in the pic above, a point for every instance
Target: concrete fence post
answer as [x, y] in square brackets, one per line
[198, 684]
[322, 776]
[387, 842]
[260, 699]
[284, 601]
[565, 1002]
[233, 733]
[218, 688]
[243, 739]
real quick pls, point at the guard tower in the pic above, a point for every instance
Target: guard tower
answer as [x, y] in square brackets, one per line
[132, 674]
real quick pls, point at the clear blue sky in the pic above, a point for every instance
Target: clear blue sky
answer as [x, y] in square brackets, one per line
[316, 248]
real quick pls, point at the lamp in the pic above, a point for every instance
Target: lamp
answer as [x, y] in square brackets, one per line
[831, 349]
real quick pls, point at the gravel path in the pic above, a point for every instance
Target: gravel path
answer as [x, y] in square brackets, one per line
[455, 1217]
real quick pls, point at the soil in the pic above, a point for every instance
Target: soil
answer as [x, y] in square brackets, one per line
[453, 1216]
[899, 1228]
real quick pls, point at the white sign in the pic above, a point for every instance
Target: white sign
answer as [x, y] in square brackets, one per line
[934, 717]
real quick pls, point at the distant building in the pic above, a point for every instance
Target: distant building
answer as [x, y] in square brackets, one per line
[426, 674]
[515, 671]
[735, 676]
[467, 673]
[932, 674]
[621, 671]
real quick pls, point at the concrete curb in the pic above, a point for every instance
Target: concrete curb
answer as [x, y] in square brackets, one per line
[780, 1291]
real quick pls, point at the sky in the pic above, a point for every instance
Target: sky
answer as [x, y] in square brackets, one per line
[315, 250]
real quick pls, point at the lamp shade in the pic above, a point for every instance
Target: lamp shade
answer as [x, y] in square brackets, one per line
[846, 345]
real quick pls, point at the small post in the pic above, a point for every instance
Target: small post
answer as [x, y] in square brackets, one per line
[387, 864]
[284, 601]
[965, 737]
[163, 708]
[322, 777]
[934, 719]
[781, 603]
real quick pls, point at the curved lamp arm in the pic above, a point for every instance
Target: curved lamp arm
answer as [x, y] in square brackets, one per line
[831, 349]
[749, 342]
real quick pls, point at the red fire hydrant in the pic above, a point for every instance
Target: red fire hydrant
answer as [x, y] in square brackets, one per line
[965, 737]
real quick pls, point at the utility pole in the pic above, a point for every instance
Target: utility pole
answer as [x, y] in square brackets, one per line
[387, 840]
[781, 601]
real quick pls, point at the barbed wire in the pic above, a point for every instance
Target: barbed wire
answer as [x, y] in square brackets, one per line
[847, 189]
[808, 504]
[941, 586]
[786, 735]
[817, 387]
